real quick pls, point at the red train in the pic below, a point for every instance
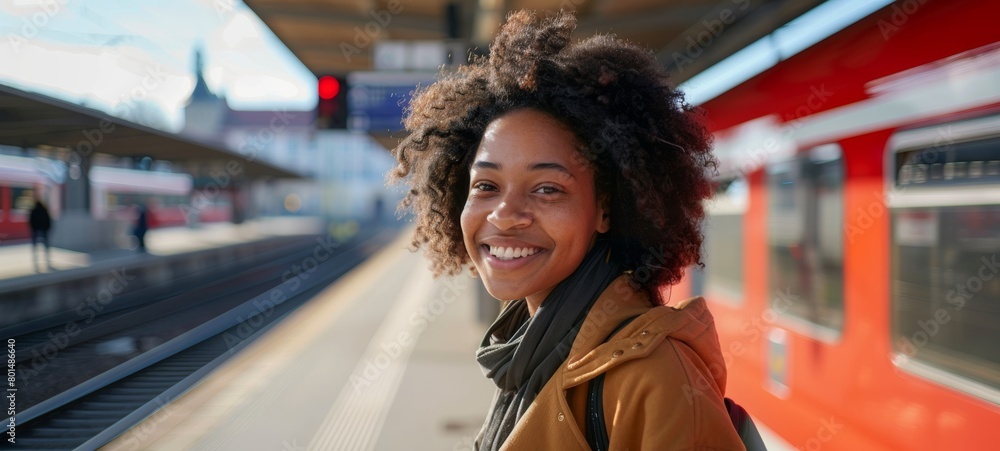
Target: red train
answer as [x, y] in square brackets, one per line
[21, 181]
[853, 249]
[114, 193]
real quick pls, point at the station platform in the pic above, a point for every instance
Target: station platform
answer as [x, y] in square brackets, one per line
[381, 360]
[17, 261]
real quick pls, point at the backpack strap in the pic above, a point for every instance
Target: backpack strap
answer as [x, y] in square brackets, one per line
[597, 429]
[744, 426]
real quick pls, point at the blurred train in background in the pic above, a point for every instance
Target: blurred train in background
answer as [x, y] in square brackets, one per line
[852, 247]
[115, 195]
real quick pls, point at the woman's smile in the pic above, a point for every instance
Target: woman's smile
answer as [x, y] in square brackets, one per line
[509, 253]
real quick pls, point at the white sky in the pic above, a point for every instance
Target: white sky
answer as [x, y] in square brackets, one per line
[114, 54]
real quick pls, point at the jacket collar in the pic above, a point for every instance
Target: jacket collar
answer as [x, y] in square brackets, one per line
[591, 355]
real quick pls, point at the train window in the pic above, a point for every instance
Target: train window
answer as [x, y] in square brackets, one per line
[723, 246]
[969, 163]
[945, 254]
[24, 200]
[805, 220]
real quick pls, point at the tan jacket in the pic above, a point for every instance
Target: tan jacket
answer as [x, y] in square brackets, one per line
[664, 386]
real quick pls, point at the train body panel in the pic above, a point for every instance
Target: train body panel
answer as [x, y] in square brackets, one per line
[851, 349]
[171, 198]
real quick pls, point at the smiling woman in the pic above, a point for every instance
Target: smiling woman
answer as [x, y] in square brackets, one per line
[570, 177]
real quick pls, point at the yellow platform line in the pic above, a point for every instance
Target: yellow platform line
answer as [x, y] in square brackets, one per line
[202, 409]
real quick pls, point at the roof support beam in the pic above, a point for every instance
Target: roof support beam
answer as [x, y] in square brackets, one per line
[750, 21]
[674, 16]
[35, 120]
[329, 16]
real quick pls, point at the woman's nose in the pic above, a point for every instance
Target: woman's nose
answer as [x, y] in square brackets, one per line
[510, 213]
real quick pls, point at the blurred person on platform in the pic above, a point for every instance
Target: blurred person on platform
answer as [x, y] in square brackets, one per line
[570, 177]
[40, 223]
[141, 226]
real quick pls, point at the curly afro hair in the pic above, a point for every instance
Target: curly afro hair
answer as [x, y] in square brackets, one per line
[650, 152]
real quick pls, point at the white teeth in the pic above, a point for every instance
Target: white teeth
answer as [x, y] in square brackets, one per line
[508, 253]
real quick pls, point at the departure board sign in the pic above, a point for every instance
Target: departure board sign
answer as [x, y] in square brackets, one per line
[377, 101]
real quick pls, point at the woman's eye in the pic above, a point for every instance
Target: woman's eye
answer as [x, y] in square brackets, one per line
[547, 190]
[483, 186]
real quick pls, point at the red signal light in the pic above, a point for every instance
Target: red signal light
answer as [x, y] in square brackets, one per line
[329, 87]
[331, 109]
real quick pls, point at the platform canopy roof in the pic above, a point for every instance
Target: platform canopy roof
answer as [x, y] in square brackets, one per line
[315, 29]
[33, 120]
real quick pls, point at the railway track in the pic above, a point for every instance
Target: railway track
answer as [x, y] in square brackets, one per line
[201, 329]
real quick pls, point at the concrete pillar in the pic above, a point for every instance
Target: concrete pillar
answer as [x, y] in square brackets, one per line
[241, 199]
[76, 228]
[78, 183]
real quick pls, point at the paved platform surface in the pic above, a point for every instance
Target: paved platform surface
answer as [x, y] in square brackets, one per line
[381, 360]
[16, 260]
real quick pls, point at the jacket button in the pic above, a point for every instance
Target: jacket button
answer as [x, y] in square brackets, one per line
[616, 354]
[561, 417]
[637, 346]
[644, 333]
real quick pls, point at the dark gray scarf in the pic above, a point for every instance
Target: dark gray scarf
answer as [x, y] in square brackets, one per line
[520, 353]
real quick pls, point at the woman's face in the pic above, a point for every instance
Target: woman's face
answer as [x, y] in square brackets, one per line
[532, 212]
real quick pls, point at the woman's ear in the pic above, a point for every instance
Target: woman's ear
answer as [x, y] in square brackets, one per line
[604, 214]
